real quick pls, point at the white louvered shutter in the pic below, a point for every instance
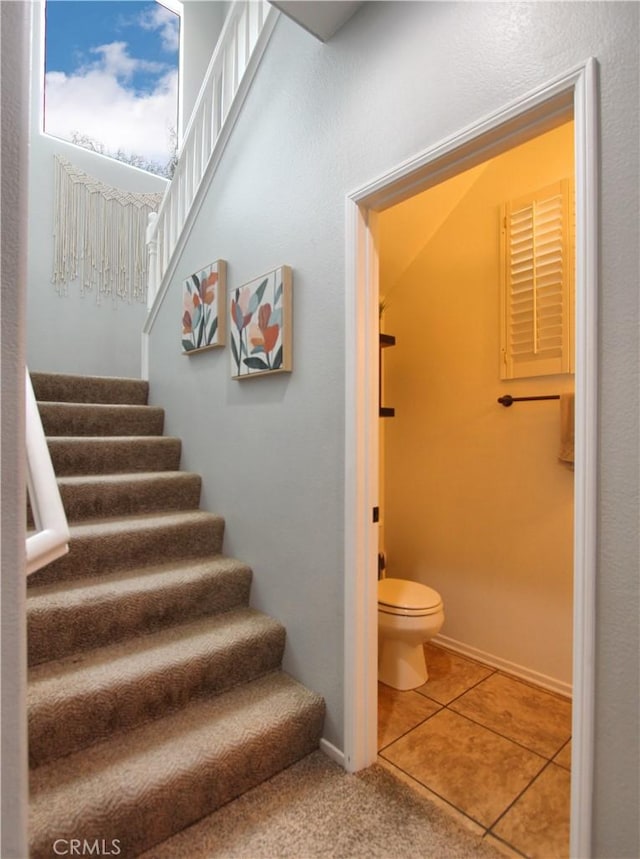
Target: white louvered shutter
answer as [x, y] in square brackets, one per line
[537, 284]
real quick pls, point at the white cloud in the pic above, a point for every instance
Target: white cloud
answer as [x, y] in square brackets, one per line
[96, 102]
[165, 22]
[114, 59]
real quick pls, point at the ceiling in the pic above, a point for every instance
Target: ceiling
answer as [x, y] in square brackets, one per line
[321, 18]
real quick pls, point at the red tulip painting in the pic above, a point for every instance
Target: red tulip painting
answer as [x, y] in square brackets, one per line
[203, 309]
[260, 324]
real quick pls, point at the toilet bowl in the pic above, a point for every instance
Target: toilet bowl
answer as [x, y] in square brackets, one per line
[409, 614]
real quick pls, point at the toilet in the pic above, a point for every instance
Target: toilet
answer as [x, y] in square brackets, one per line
[409, 614]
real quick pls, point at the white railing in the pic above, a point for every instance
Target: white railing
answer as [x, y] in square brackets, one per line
[242, 41]
[51, 537]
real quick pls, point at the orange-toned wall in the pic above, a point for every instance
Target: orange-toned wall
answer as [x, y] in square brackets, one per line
[475, 502]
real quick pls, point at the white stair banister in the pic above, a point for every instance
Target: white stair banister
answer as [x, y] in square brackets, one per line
[244, 36]
[51, 537]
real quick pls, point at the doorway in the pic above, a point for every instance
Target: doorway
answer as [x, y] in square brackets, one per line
[474, 501]
[574, 95]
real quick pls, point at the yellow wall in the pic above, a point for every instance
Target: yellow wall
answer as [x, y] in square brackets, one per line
[475, 501]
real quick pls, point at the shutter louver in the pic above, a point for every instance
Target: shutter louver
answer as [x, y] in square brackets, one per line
[537, 278]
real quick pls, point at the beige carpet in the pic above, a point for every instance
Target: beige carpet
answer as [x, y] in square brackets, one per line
[155, 692]
[316, 809]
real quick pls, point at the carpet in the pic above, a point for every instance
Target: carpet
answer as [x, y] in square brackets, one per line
[316, 809]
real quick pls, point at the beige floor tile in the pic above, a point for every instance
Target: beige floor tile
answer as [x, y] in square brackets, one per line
[449, 674]
[538, 823]
[476, 770]
[539, 720]
[563, 758]
[434, 798]
[501, 847]
[398, 712]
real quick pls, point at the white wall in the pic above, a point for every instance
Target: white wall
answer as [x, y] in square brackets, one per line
[476, 504]
[14, 50]
[73, 334]
[320, 121]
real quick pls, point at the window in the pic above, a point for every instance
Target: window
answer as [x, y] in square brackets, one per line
[111, 79]
[537, 283]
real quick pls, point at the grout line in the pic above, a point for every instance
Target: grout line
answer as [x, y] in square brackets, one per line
[554, 758]
[447, 802]
[487, 831]
[468, 689]
[517, 679]
[506, 844]
[518, 798]
[409, 730]
[504, 736]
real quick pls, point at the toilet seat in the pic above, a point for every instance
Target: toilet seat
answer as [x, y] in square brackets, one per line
[407, 599]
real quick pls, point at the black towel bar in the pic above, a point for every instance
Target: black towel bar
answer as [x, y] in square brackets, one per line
[508, 400]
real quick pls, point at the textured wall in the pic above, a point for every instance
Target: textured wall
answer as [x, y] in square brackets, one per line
[320, 121]
[14, 35]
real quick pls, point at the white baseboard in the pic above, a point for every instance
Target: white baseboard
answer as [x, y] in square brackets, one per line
[332, 752]
[535, 677]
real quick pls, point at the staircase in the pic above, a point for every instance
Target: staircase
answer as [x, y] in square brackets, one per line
[155, 693]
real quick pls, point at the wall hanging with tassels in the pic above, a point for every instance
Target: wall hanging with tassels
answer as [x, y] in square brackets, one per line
[99, 236]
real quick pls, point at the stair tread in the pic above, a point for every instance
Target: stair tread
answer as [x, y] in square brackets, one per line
[92, 496]
[61, 420]
[70, 404]
[97, 546]
[110, 439]
[127, 477]
[78, 700]
[76, 615]
[172, 771]
[126, 583]
[69, 387]
[176, 739]
[113, 454]
[108, 419]
[132, 659]
[84, 377]
[104, 527]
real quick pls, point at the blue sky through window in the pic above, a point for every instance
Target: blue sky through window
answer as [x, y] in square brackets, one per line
[111, 74]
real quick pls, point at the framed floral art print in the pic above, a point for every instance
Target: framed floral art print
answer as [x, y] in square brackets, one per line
[260, 326]
[204, 309]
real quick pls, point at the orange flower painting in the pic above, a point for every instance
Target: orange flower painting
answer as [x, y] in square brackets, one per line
[203, 309]
[260, 317]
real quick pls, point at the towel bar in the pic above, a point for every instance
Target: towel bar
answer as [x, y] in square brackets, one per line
[508, 400]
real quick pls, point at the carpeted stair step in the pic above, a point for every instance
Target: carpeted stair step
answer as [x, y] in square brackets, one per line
[64, 388]
[100, 546]
[73, 455]
[74, 616]
[90, 419]
[78, 701]
[92, 496]
[142, 786]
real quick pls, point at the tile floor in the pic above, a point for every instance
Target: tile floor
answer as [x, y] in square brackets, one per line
[493, 749]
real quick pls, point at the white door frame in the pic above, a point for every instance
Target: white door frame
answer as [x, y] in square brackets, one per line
[573, 94]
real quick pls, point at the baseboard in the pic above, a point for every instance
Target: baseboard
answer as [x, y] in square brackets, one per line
[535, 677]
[332, 752]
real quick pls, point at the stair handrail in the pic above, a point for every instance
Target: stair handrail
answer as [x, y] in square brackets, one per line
[242, 41]
[51, 537]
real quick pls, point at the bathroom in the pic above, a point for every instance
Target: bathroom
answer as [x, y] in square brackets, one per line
[477, 504]
[474, 500]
